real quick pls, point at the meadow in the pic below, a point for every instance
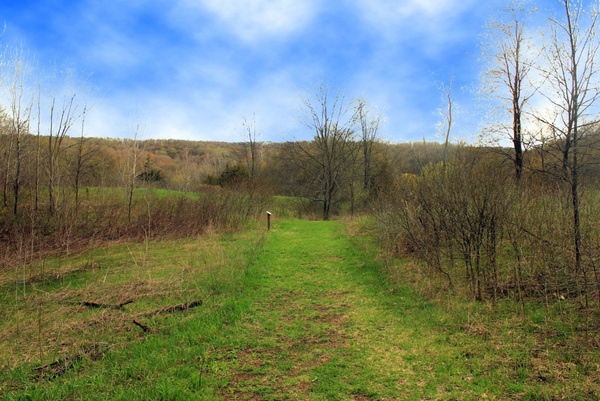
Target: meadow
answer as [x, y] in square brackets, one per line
[308, 310]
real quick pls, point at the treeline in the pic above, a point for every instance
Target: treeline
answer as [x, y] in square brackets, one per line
[62, 189]
[61, 193]
[456, 207]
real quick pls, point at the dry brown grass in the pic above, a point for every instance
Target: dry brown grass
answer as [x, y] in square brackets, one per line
[62, 309]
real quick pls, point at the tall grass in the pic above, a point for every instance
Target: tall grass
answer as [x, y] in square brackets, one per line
[102, 216]
[59, 307]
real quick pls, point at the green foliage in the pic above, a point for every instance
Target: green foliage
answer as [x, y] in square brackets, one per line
[232, 175]
[149, 173]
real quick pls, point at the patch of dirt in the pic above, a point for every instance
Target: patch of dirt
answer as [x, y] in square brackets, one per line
[360, 397]
[325, 320]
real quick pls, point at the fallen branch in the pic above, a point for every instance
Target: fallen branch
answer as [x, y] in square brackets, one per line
[90, 304]
[122, 304]
[142, 326]
[57, 368]
[171, 309]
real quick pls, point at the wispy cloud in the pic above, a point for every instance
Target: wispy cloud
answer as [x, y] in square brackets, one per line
[203, 112]
[412, 17]
[252, 20]
[387, 10]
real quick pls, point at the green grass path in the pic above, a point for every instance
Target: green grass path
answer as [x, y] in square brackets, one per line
[322, 326]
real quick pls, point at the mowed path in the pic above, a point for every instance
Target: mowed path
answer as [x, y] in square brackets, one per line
[322, 325]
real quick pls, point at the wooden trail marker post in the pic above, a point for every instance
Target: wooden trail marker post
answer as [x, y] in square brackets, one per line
[268, 221]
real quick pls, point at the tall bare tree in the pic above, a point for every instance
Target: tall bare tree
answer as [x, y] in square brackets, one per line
[85, 150]
[572, 75]
[20, 119]
[369, 130]
[61, 121]
[448, 115]
[7, 156]
[251, 148]
[133, 155]
[510, 70]
[38, 150]
[328, 158]
[5, 143]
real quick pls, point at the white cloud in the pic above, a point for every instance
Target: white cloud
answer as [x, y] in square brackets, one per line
[103, 119]
[198, 112]
[384, 10]
[253, 20]
[414, 18]
[113, 50]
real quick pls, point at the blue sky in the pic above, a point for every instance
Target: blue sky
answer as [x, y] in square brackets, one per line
[193, 69]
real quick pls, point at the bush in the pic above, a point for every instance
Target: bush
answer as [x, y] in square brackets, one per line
[470, 222]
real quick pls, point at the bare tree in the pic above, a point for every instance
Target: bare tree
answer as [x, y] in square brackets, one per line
[369, 130]
[6, 143]
[85, 150]
[251, 148]
[511, 66]
[572, 75]
[133, 156]
[448, 114]
[38, 151]
[61, 122]
[326, 160]
[7, 154]
[20, 118]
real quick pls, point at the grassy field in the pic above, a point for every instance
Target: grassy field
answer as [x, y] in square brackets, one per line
[301, 312]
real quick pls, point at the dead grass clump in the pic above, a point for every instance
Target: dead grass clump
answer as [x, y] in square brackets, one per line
[477, 329]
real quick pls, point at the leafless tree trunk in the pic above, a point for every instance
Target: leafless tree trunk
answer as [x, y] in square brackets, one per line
[83, 155]
[20, 116]
[132, 162]
[38, 152]
[8, 133]
[448, 115]
[19, 126]
[573, 76]
[510, 70]
[57, 132]
[251, 147]
[369, 128]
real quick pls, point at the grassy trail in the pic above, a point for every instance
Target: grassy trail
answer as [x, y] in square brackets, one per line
[322, 326]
